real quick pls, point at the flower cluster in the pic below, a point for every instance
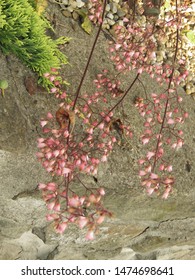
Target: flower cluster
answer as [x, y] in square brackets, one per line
[138, 46]
[163, 115]
[76, 141]
[66, 207]
[95, 11]
[83, 131]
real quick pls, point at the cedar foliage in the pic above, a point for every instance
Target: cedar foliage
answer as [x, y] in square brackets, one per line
[22, 32]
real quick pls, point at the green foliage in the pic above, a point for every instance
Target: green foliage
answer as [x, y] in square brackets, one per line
[86, 23]
[32, 3]
[3, 86]
[191, 36]
[2, 19]
[22, 32]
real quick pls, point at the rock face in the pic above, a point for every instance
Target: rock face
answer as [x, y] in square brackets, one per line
[142, 228]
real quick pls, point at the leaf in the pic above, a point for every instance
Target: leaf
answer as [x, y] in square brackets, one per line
[86, 25]
[62, 40]
[3, 84]
[63, 118]
[191, 36]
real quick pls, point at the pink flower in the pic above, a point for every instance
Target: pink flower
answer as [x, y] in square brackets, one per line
[48, 155]
[66, 134]
[41, 145]
[51, 187]
[174, 145]
[101, 191]
[51, 217]
[42, 186]
[49, 116]
[161, 167]
[92, 198]
[82, 166]
[169, 168]
[49, 169]
[180, 132]
[141, 161]
[90, 130]
[153, 176]
[180, 99]
[53, 90]
[148, 168]
[82, 199]
[82, 222]
[150, 190]
[179, 143]
[57, 207]
[166, 193]
[117, 46]
[39, 155]
[104, 158]
[90, 235]
[52, 78]
[60, 228]
[140, 70]
[40, 140]
[142, 173]
[100, 219]
[170, 121]
[56, 153]
[101, 126]
[43, 123]
[74, 201]
[150, 155]
[168, 181]
[66, 170]
[51, 205]
[145, 140]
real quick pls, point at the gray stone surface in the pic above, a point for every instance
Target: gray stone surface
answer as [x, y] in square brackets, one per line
[142, 227]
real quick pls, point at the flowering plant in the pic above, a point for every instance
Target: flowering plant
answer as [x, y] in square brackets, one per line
[84, 129]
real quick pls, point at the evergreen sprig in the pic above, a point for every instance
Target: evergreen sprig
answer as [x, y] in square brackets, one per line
[22, 32]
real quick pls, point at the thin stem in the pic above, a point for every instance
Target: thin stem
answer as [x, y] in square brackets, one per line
[90, 56]
[167, 101]
[114, 107]
[124, 95]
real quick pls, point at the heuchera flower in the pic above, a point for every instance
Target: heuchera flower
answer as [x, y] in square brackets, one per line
[82, 132]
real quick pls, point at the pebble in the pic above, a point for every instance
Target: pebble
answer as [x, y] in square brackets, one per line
[116, 10]
[67, 13]
[80, 3]
[110, 16]
[121, 13]
[113, 8]
[65, 2]
[70, 9]
[73, 4]
[107, 7]
[75, 15]
[111, 21]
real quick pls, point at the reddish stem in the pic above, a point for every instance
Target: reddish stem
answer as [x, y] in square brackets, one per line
[90, 56]
[167, 101]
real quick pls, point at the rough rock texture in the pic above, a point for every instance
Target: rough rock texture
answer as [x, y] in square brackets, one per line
[142, 228]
